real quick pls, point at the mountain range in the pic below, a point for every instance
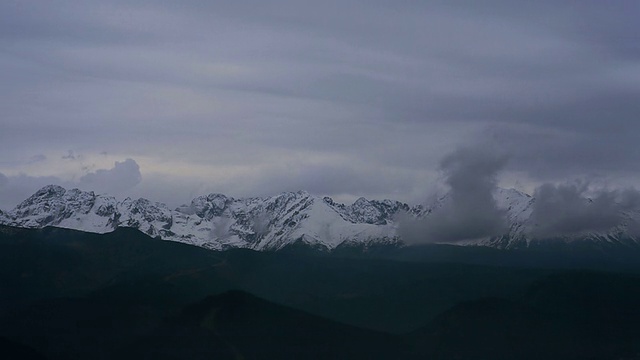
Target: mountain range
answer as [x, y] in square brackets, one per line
[219, 222]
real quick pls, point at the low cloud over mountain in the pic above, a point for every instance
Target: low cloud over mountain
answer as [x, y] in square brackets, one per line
[567, 209]
[469, 210]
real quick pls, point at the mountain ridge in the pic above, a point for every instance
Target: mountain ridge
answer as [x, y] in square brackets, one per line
[218, 222]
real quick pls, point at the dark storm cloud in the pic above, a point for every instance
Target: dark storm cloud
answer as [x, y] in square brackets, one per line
[571, 209]
[469, 210]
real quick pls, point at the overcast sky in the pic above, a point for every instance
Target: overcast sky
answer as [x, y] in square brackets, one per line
[173, 99]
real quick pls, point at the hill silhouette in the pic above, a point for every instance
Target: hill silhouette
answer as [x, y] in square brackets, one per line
[72, 295]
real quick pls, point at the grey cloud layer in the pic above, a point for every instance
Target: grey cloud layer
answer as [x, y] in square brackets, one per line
[394, 85]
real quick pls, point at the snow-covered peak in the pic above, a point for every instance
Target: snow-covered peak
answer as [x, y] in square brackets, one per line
[49, 191]
[217, 221]
[208, 206]
[51, 205]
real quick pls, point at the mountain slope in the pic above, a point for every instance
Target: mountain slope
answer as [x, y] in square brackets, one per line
[236, 324]
[128, 265]
[568, 315]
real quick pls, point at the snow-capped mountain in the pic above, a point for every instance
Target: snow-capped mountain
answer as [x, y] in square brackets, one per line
[216, 221]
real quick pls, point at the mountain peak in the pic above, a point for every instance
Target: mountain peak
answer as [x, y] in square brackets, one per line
[49, 191]
[361, 201]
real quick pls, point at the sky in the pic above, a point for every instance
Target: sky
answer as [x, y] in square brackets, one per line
[169, 100]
